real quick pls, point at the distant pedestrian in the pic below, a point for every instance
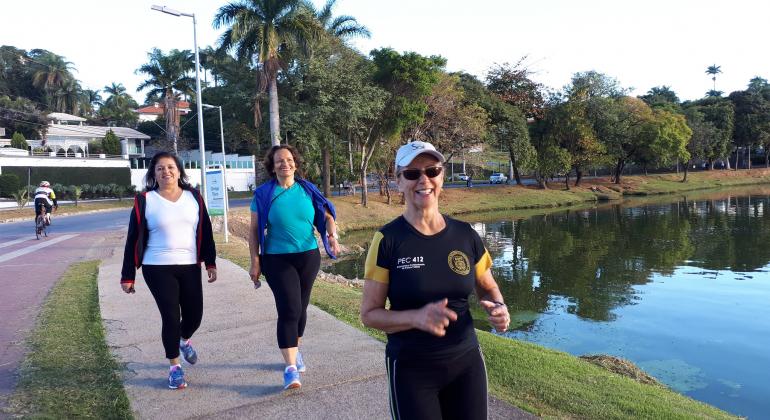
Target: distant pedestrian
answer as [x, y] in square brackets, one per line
[169, 235]
[283, 247]
[426, 265]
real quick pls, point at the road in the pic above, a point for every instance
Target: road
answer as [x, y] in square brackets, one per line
[31, 267]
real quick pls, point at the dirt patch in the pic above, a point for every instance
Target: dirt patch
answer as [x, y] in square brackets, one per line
[621, 367]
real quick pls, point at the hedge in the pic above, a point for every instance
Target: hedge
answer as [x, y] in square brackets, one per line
[9, 184]
[72, 176]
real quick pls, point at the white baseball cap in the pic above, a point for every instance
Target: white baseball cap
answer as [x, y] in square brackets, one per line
[409, 151]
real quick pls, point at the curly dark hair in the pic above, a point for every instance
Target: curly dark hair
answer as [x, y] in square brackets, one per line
[150, 183]
[270, 165]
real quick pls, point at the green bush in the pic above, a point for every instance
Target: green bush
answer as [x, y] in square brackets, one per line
[9, 184]
[85, 191]
[19, 142]
[111, 144]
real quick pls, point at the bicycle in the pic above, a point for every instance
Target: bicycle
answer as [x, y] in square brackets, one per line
[41, 227]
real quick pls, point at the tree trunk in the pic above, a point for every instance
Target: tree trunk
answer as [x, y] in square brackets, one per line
[578, 176]
[619, 170]
[171, 128]
[362, 179]
[326, 171]
[686, 169]
[767, 158]
[737, 149]
[275, 124]
[749, 147]
[516, 174]
[566, 180]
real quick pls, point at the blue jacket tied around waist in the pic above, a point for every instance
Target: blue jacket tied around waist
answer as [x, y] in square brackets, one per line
[264, 194]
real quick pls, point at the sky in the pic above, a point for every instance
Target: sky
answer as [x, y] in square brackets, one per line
[642, 43]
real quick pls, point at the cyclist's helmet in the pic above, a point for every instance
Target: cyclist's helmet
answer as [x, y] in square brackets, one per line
[45, 184]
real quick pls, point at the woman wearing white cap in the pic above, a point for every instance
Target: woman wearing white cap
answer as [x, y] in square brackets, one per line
[426, 265]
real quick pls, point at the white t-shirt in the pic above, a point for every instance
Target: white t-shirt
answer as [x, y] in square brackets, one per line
[172, 227]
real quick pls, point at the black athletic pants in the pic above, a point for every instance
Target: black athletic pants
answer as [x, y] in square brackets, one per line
[178, 291]
[452, 388]
[291, 278]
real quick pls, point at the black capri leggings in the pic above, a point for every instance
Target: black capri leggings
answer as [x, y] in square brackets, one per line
[451, 388]
[291, 278]
[176, 288]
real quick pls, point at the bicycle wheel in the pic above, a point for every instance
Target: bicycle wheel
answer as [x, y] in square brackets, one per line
[37, 229]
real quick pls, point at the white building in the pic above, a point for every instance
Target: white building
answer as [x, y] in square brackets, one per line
[68, 136]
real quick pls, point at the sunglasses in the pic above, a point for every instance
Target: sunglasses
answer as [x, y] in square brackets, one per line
[414, 174]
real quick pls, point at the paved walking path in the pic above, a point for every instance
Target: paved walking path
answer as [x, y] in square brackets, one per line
[239, 371]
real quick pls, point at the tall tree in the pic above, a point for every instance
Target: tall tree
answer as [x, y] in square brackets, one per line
[752, 118]
[90, 101]
[119, 107]
[52, 72]
[513, 85]
[713, 70]
[268, 32]
[343, 27]
[451, 123]
[720, 113]
[408, 79]
[168, 79]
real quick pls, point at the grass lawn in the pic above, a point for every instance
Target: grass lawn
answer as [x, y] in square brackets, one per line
[69, 371]
[542, 381]
[68, 209]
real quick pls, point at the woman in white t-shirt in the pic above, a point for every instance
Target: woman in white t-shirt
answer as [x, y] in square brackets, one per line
[170, 234]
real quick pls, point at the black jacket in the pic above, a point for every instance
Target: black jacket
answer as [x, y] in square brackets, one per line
[136, 241]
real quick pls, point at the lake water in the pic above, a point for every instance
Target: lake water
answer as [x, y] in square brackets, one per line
[682, 289]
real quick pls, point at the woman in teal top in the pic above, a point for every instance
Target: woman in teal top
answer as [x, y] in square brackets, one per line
[284, 213]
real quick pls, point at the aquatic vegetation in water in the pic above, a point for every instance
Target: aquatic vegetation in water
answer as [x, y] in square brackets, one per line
[676, 373]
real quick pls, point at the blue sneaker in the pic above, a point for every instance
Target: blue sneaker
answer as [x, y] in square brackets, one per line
[300, 363]
[188, 353]
[176, 378]
[291, 379]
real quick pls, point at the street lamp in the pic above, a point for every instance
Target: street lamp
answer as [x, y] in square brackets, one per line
[224, 163]
[201, 142]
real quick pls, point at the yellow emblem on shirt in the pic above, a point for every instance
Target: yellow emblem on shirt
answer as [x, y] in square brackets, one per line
[459, 263]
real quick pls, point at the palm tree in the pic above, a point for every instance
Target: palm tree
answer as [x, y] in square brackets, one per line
[90, 100]
[119, 107]
[713, 71]
[52, 73]
[168, 77]
[67, 97]
[267, 31]
[342, 27]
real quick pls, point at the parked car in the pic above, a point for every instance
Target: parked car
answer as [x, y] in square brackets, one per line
[498, 178]
[462, 176]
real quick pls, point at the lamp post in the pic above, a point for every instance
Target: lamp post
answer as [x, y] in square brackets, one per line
[201, 142]
[224, 165]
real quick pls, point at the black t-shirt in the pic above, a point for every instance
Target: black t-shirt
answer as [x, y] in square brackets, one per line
[420, 269]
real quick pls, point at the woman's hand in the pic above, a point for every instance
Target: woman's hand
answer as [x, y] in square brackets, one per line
[435, 317]
[128, 287]
[335, 246]
[254, 272]
[212, 272]
[498, 314]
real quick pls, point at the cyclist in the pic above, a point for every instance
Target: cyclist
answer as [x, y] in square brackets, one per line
[44, 195]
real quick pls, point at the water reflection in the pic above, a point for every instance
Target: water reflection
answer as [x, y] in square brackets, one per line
[593, 258]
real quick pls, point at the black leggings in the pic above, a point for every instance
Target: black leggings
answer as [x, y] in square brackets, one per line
[454, 388]
[291, 278]
[175, 288]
